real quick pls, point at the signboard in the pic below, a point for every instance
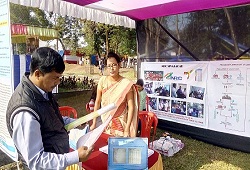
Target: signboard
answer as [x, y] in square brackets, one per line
[6, 83]
[211, 95]
[127, 153]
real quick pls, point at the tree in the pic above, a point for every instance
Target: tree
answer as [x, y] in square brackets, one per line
[103, 38]
[97, 38]
[29, 16]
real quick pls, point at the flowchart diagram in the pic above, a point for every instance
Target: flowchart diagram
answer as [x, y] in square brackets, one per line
[229, 109]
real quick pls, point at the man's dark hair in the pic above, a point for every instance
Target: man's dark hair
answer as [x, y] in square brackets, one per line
[117, 58]
[46, 60]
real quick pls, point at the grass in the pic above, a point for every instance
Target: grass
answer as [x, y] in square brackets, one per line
[195, 155]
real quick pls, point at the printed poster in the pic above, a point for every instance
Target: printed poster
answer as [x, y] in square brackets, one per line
[6, 83]
[177, 91]
[213, 95]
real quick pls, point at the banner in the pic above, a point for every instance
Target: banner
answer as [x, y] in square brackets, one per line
[211, 95]
[6, 83]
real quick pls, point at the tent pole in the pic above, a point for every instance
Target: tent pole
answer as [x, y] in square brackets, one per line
[189, 52]
[244, 52]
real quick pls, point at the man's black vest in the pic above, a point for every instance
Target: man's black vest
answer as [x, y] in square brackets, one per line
[28, 98]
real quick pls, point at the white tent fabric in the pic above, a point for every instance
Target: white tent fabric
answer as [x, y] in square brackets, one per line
[121, 12]
[65, 8]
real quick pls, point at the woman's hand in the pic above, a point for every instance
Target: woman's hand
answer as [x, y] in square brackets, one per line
[126, 134]
[92, 127]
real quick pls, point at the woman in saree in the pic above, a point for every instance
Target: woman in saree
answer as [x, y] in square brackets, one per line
[116, 89]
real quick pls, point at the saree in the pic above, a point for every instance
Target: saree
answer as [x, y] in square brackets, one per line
[116, 93]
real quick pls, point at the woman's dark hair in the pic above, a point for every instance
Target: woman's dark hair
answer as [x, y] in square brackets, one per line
[46, 60]
[94, 91]
[114, 55]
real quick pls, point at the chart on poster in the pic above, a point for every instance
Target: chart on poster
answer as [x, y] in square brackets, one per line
[228, 96]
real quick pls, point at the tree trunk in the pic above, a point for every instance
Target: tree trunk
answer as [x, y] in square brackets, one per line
[147, 38]
[63, 46]
[157, 39]
[178, 35]
[107, 40]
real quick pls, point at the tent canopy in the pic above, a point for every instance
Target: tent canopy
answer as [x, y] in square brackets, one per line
[124, 12]
[20, 32]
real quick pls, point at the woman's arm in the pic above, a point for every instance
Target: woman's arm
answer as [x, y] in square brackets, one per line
[130, 100]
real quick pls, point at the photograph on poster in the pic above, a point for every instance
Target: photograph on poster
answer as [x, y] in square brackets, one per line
[195, 109]
[179, 90]
[162, 89]
[197, 92]
[153, 103]
[178, 107]
[164, 105]
[148, 86]
[153, 75]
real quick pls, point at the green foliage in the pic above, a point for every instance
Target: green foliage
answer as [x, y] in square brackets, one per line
[89, 37]
[103, 38]
[29, 16]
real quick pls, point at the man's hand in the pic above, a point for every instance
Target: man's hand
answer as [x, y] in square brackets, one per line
[84, 153]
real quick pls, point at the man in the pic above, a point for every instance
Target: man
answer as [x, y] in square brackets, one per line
[173, 90]
[33, 118]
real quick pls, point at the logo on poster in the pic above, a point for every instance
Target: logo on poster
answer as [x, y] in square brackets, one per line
[188, 73]
[169, 76]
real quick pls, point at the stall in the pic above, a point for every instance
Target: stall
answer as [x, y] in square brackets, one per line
[125, 13]
[30, 36]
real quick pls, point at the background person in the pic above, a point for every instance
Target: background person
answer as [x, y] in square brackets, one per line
[91, 106]
[116, 89]
[34, 120]
[142, 94]
[92, 99]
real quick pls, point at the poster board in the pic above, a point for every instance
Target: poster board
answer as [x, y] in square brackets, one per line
[6, 83]
[212, 95]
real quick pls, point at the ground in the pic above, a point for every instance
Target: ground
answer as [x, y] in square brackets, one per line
[94, 72]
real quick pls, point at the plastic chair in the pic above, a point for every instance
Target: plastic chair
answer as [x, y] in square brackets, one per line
[68, 111]
[147, 103]
[148, 121]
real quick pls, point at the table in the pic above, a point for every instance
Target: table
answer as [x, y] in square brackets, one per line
[99, 160]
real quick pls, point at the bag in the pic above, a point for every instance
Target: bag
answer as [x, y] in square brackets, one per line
[167, 146]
